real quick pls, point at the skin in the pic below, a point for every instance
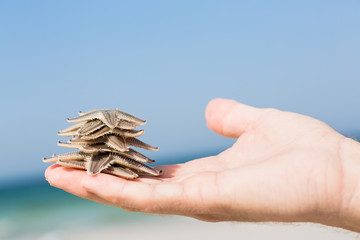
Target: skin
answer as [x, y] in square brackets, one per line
[284, 167]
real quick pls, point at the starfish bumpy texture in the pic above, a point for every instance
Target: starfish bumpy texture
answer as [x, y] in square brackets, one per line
[103, 138]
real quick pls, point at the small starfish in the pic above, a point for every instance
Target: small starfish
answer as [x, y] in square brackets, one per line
[112, 141]
[116, 142]
[114, 170]
[132, 164]
[95, 128]
[95, 163]
[109, 117]
[106, 130]
[101, 147]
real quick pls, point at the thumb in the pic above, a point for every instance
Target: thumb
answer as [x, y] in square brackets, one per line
[229, 117]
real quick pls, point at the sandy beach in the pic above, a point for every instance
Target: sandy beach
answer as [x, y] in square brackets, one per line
[180, 228]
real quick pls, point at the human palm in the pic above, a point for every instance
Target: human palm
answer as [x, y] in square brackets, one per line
[283, 167]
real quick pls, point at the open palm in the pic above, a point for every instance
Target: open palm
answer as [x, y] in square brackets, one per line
[283, 167]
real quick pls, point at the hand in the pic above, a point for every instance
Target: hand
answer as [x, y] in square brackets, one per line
[283, 167]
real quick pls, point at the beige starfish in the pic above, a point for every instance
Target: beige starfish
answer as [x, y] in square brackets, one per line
[117, 142]
[95, 163]
[114, 170]
[102, 147]
[114, 142]
[96, 128]
[106, 130]
[132, 164]
[109, 117]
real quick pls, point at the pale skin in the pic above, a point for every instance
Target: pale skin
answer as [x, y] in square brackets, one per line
[284, 167]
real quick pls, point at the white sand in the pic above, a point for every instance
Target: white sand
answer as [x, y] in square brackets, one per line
[181, 228]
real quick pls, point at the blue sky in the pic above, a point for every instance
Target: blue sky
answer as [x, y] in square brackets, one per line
[163, 61]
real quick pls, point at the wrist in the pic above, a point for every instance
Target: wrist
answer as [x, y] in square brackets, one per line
[349, 210]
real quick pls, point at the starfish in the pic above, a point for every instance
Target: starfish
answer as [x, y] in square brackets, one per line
[106, 130]
[114, 170]
[99, 162]
[95, 163]
[109, 117]
[96, 128]
[119, 143]
[101, 147]
[114, 142]
[132, 164]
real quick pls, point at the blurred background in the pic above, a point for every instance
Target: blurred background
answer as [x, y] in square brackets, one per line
[161, 61]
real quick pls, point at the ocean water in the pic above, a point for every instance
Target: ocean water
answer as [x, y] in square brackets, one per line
[37, 208]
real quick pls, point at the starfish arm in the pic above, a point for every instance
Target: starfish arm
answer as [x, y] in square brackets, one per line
[127, 133]
[109, 118]
[83, 113]
[72, 164]
[66, 157]
[68, 134]
[137, 143]
[97, 134]
[90, 127]
[72, 128]
[97, 148]
[117, 143]
[101, 147]
[113, 170]
[132, 164]
[97, 163]
[128, 117]
[120, 172]
[68, 145]
[82, 141]
[87, 117]
[88, 149]
[144, 174]
[131, 153]
[92, 148]
[122, 124]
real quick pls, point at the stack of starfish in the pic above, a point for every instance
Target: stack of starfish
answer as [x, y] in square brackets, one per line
[103, 138]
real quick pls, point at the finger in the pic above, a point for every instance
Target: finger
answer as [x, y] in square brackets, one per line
[229, 117]
[95, 188]
[138, 195]
[132, 195]
[69, 180]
